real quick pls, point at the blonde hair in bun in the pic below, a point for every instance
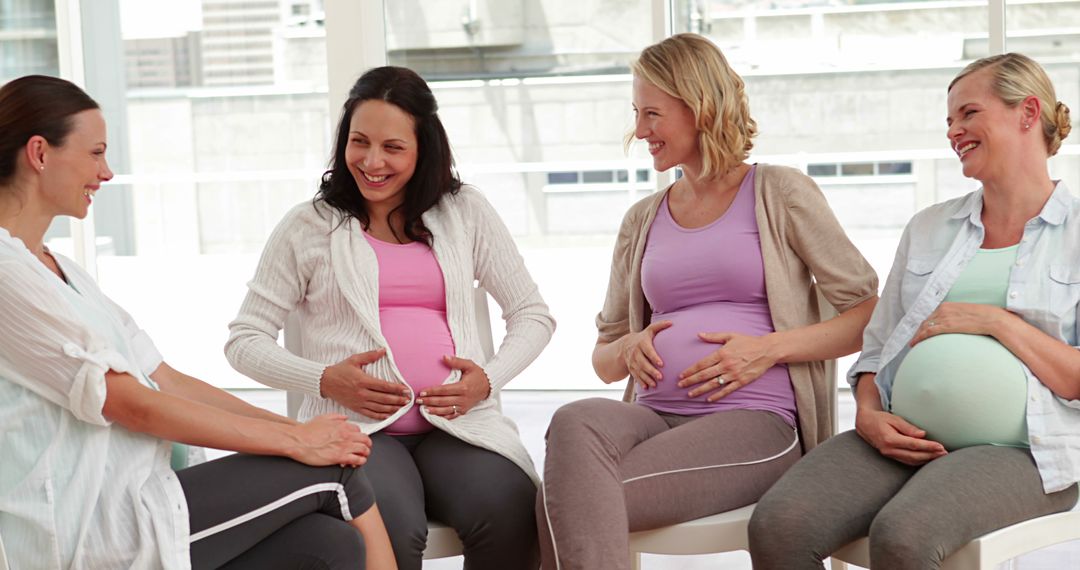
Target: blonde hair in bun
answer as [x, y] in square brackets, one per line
[1064, 127]
[1016, 77]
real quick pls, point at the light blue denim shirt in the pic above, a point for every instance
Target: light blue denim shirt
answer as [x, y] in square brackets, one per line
[1044, 289]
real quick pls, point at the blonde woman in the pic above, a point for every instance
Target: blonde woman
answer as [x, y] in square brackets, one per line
[968, 386]
[712, 311]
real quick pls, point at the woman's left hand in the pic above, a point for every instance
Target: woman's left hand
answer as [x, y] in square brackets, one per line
[741, 360]
[963, 318]
[453, 400]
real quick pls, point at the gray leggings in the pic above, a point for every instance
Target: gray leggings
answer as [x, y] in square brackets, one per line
[614, 467]
[914, 516]
[250, 511]
[482, 495]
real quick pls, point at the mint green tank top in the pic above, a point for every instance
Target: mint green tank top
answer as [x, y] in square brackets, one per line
[966, 389]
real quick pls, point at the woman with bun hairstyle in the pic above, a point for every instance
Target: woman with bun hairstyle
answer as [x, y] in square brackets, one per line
[968, 386]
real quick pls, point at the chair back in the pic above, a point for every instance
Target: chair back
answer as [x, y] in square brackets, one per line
[3, 555]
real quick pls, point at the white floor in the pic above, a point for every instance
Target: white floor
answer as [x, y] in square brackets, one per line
[533, 409]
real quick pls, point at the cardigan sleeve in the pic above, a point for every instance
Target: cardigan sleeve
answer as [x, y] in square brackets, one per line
[278, 287]
[501, 270]
[613, 320]
[842, 274]
[50, 353]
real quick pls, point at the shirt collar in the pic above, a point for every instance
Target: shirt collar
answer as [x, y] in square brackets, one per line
[1054, 211]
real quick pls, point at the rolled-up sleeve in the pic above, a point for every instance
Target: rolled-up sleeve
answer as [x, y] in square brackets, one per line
[886, 316]
[49, 352]
[842, 274]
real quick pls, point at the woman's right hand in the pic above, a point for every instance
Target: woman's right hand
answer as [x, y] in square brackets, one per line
[329, 440]
[896, 438]
[347, 384]
[640, 357]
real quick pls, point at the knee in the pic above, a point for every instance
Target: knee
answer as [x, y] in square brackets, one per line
[782, 534]
[338, 545]
[509, 511]
[772, 526]
[899, 541]
[575, 420]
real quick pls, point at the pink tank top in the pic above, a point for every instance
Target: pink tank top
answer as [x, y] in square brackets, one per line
[412, 315]
[710, 279]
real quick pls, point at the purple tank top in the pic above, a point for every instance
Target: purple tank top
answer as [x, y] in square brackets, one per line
[710, 279]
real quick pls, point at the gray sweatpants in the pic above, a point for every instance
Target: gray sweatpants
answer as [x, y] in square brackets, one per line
[614, 467]
[915, 516]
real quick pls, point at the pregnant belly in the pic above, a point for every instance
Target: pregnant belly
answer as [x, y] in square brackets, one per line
[680, 347]
[418, 339]
[964, 390]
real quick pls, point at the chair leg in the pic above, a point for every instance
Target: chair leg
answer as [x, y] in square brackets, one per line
[635, 561]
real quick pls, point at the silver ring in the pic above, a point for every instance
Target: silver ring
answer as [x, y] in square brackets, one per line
[455, 409]
[931, 324]
[720, 381]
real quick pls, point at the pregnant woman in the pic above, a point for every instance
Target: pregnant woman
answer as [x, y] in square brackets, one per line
[712, 310]
[969, 379]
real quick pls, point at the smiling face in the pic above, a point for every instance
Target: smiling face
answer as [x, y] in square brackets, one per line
[983, 131]
[381, 153]
[668, 125]
[73, 172]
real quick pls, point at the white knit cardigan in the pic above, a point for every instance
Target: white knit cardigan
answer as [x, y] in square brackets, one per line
[327, 272]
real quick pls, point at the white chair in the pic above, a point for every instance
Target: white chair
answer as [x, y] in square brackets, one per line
[442, 541]
[989, 550]
[722, 532]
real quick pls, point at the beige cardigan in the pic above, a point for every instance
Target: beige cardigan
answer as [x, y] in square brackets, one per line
[805, 252]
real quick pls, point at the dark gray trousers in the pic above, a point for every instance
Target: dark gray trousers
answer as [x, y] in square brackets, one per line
[482, 495]
[915, 516]
[260, 512]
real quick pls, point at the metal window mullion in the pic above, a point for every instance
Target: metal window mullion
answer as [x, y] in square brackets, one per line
[69, 49]
[662, 28]
[996, 20]
[355, 41]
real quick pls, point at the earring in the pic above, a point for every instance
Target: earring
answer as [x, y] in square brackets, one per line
[1027, 126]
[43, 168]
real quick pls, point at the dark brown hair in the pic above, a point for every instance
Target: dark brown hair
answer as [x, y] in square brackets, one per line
[36, 105]
[434, 176]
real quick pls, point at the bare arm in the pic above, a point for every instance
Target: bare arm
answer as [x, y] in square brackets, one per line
[1054, 363]
[172, 381]
[326, 440]
[839, 336]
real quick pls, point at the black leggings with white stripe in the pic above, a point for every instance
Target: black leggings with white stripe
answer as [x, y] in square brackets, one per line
[250, 511]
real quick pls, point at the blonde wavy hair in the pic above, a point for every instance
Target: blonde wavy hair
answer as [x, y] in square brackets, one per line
[692, 69]
[1017, 76]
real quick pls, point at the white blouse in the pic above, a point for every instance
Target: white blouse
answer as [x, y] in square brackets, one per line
[77, 491]
[326, 270]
